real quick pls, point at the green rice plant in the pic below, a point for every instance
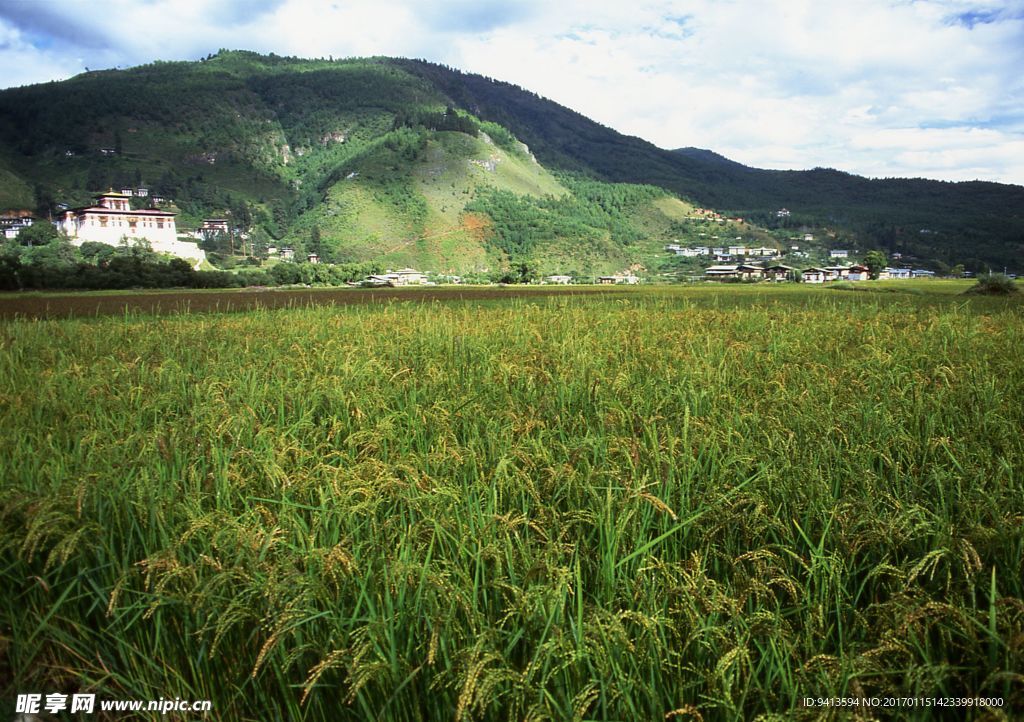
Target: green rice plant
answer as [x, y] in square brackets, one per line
[654, 504]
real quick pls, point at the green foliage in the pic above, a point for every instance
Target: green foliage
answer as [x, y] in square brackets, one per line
[993, 284]
[875, 262]
[39, 233]
[592, 211]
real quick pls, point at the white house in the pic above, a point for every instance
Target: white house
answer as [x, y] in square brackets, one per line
[813, 275]
[729, 271]
[112, 219]
[401, 277]
[838, 253]
[858, 273]
[836, 272]
[13, 225]
[559, 279]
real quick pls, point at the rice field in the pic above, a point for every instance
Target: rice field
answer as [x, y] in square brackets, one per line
[683, 504]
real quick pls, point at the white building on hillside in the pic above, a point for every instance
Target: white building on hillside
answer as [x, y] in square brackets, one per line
[112, 220]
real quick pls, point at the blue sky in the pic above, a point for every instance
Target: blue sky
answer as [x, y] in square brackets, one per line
[883, 88]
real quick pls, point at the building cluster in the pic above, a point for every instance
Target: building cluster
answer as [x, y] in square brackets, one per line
[723, 253]
[814, 274]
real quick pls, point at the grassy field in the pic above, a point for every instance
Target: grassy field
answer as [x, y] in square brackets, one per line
[686, 503]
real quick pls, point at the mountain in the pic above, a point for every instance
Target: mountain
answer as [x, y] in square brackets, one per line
[412, 163]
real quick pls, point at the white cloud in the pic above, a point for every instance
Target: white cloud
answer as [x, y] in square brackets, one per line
[791, 84]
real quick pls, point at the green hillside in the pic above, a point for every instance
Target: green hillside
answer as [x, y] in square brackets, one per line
[409, 163]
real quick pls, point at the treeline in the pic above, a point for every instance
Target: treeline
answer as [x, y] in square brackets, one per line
[60, 265]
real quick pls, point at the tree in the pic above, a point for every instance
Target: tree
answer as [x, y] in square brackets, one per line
[38, 234]
[957, 271]
[315, 241]
[525, 272]
[875, 261]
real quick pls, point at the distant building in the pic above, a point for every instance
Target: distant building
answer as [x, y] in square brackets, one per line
[287, 253]
[782, 213]
[111, 220]
[838, 253]
[617, 279]
[722, 271]
[858, 273]
[313, 258]
[12, 225]
[559, 280]
[779, 272]
[401, 277]
[213, 226]
[813, 275]
[749, 272]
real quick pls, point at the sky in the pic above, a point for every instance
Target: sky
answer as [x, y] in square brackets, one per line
[881, 88]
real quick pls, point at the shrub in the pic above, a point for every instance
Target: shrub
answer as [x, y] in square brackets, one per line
[994, 284]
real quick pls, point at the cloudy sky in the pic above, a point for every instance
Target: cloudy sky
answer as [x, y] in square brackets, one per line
[930, 88]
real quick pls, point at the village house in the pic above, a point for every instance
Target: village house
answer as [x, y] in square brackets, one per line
[722, 271]
[627, 278]
[313, 258]
[813, 275]
[858, 273]
[749, 272]
[558, 279]
[401, 277]
[897, 273]
[15, 223]
[112, 220]
[212, 226]
[779, 272]
[288, 254]
[838, 253]
[836, 273]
